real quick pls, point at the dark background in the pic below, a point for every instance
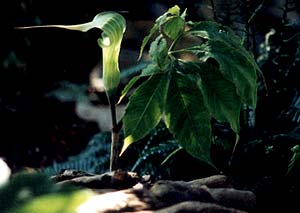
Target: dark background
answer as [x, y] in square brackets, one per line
[36, 129]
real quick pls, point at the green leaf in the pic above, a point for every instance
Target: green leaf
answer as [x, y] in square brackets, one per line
[173, 11]
[128, 87]
[220, 32]
[220, 96]
[213, 31]
[236, 63]
[22, 187]
[55, 202]
[159, 52]
[187, 116]
[234, 66]
[147, 39]
[113, 26]
[34, 192]
[174, 27]
[144, 109]
[151, 69]
[294, 164]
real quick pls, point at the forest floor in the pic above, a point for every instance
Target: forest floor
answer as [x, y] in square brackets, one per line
[121, 191]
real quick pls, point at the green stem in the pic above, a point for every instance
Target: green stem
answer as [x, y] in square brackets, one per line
[114, 137]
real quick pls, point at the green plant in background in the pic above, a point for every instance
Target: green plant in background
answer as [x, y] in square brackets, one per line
[198, 71]
[35, 192]
[190, 83]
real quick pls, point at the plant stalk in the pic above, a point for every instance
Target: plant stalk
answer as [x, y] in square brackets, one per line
[114, 137]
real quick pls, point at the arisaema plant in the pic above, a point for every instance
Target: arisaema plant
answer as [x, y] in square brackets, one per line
[113, 26]
[198, 71]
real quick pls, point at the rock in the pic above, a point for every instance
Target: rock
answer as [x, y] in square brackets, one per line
[196, 206]
[170, 192]
[127, 192]
[110, 180]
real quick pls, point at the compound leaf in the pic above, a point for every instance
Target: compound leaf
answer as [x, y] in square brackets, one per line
[144, 110]
[187, 116]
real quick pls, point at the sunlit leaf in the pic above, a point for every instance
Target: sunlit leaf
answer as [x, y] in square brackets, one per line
[149, 70]
[174, 27]
[22, 187]
[147, 39]
[128, 86]
[55, 202]
[173, 11]
[187, 116]
[144, 109]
